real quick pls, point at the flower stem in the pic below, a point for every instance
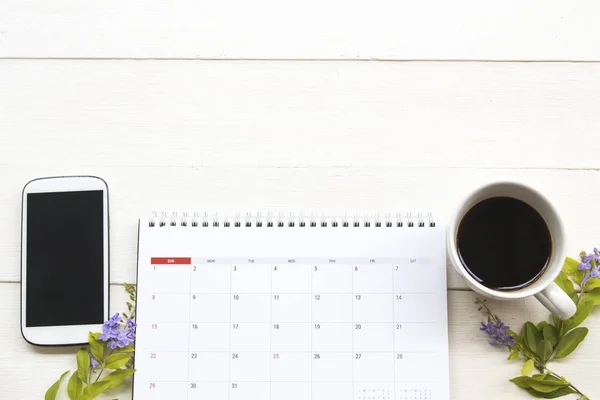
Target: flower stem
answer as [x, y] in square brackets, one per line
[98, 377]
[571, 386]
[488, 311]
[102, 370]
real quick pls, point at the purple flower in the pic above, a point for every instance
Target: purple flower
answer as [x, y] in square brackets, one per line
[93, 362]
[120, 341]
[589, 260]
[116, 334]
[585, 264]
[498, 333]
[594, 274]
[586, 279]
[110, 328]
[130, 333]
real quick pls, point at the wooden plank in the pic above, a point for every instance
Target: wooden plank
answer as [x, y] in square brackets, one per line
[312, 29]
[477, 370]
[286, 114]
[136, 191]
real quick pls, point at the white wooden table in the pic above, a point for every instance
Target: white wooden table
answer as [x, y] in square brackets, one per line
[325, 106]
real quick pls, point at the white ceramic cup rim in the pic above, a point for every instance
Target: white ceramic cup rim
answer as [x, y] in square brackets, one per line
[543, 207]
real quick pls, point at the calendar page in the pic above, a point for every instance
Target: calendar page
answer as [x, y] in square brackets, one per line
[281, 312]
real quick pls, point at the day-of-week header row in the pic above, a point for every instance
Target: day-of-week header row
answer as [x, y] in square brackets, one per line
[272, 261]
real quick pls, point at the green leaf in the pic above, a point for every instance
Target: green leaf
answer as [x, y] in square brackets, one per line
[531, 335]
[546, 386]
[93, 390]
[96, 346]
[578, 276]
[558, 323]
[570, 342]
[53, 390]
[544, 350]
[593, 295]
[570, 266]
[126, 349]
[514, 354]
[550, 333]
[542, 386]
[116, 378]
[116, 360]
[563, 281]
[584, 309]
[593, 283]
[521, 381]
[564, 391]
[541, 326]
[75, 386]
[528, 367]
[83, 364]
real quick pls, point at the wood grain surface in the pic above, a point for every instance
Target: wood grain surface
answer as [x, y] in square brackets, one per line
[335, 107]
[312, 29]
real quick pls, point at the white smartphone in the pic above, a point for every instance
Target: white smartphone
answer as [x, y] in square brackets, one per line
[64, 259]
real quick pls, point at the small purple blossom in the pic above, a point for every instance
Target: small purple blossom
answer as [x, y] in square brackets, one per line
[93, 362]
[594, 274]
[585, 264]
[116, 334]
[590, 263]
[120, 341]
[110, 328]
[130, 333]
[589, 260]
[498, 333]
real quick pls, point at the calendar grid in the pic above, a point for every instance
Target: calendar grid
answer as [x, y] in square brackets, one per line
[271, 331]
[305, 293]
[312, 278]
[302, 322]
[394, 327]
[309, 310]
[352, 327]
[189, 328]
[230, 329]
[293, 352]
[331, 381]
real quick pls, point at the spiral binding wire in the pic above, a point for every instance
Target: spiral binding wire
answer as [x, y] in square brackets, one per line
[259, 220]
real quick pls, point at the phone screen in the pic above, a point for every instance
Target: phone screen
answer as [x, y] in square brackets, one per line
[65, 258]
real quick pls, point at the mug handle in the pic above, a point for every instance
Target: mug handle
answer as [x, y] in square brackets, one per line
[557, 301]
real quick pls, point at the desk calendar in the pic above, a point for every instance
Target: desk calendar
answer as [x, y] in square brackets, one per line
[291, 309]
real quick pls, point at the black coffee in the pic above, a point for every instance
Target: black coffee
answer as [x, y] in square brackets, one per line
[504, 243]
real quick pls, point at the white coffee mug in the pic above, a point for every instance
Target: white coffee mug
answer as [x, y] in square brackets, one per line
[544, 289]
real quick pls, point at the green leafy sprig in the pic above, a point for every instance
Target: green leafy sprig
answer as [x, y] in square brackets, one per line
[99, 367]
[539, 344]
